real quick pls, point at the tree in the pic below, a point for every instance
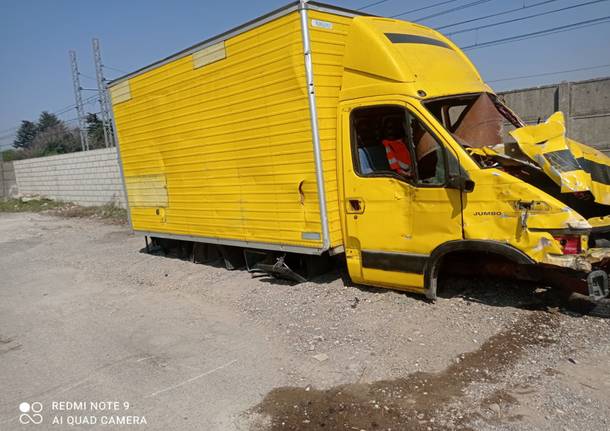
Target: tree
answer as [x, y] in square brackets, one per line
[25, 135]
[55, 139]
[95, 131]
[47, 121]
[49, 136]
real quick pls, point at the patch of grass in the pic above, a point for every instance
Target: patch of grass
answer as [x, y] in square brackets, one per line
[28, 205]
[109, 212]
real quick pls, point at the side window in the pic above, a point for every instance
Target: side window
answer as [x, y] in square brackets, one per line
[389, 140]
[454, 114]
[429, 155]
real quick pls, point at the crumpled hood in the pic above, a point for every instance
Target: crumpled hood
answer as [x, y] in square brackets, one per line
[571, 165]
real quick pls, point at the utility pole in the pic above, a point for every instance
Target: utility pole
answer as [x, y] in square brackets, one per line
[80, 110]
[103, 94]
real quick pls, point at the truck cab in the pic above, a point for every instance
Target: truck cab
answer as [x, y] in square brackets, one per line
[477, 191]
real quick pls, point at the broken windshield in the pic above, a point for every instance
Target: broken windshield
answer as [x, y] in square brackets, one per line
[571, 172]
[477, 121]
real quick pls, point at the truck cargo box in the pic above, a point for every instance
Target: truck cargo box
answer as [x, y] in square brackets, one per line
[224, 141]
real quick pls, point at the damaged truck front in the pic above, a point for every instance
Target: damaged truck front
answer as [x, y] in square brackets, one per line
[537, 190]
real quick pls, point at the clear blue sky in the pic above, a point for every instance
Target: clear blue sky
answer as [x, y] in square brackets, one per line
[35, 37]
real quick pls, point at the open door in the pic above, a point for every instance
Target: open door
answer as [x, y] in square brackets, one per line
[396, 202]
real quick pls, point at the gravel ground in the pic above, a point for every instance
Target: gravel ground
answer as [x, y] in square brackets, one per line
[325, 354]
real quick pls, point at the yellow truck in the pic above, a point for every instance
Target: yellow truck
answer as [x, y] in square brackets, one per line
[316, 131]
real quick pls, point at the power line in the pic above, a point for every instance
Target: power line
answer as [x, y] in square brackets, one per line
[86, 76]
[601, 66]
[58, 112]
[560, 29]
[64, 109]
[524, 17]
[114, 68]
[496, 14]
[445, 12]
[69, 108]
[93, 99]
[423, 8]
[86, 102]
[10, 135]
[75, 119]
[372, 4]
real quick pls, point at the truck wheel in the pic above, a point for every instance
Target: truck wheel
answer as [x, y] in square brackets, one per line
[585, 304]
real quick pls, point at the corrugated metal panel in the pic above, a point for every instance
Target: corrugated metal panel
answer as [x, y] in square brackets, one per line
[328, 35]
[232, 139]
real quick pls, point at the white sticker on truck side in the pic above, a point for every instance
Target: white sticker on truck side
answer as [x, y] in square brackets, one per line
[120, 92]
[209, 55]
[322, 24]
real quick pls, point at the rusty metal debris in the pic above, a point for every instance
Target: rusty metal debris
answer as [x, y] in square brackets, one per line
[480, 125]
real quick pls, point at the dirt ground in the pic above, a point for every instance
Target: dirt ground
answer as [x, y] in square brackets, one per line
[86, 317]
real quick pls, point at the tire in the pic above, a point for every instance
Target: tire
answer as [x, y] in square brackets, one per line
[584, 304]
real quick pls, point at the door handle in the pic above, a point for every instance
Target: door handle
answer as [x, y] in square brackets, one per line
[355, 205]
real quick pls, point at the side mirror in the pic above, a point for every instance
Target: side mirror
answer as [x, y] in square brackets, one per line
[460, 182]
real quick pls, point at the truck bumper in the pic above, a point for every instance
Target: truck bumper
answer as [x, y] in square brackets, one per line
[594, 258]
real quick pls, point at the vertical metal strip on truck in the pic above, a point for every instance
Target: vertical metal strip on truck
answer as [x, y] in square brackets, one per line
[315, 132]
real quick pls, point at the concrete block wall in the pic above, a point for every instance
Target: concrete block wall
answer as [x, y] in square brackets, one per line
[8, 183]
[90, 178]
[585, 104]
